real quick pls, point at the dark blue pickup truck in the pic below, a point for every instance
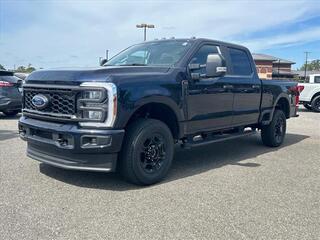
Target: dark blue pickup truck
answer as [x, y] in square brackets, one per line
[128, 114]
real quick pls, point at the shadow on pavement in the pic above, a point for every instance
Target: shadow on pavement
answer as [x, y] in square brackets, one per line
[186, 163]
[4, 117]
[8, 134]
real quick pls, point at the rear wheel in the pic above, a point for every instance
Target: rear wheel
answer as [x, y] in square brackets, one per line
[307, 106]
[11, 113]
[273, 134]
[315, 104]
[147, 152]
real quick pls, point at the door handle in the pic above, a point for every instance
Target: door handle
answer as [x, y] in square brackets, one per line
[228, 86]
[256, 86]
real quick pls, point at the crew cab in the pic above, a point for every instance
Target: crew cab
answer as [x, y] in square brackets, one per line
[128, 114]
[310, 93]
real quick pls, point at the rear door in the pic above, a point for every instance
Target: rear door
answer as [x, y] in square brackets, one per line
[246, 87]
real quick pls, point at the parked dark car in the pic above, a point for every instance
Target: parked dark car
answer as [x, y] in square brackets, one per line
[128, 114]
[10, 93]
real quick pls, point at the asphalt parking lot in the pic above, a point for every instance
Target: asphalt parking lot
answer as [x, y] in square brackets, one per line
[238, 189]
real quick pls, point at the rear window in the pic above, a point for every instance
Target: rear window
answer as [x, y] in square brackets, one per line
[240, 62]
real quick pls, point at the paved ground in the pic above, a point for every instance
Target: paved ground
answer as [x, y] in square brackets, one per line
[232, 190]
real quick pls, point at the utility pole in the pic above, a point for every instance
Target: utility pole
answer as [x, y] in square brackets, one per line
[305, 66]
[144, 26]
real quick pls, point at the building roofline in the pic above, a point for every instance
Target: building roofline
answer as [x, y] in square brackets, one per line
[273, 59]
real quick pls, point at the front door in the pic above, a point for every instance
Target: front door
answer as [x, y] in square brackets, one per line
[209, 100]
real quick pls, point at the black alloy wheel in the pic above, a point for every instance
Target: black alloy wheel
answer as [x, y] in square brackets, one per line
[279, 129]
[272, 135]
[147, 152]
[152, 154]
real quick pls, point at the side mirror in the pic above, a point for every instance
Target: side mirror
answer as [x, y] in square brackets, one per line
[103, 61]
[216, 66]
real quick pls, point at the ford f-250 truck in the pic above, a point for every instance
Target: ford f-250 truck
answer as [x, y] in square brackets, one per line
[310, 93]
[128, 114]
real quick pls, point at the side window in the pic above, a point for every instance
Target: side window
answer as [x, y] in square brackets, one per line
[317, 79]
[240, 62]
[201, 55]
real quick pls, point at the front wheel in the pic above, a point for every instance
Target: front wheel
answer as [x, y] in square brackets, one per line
[315, 104]
[273, 134]
[147, 152]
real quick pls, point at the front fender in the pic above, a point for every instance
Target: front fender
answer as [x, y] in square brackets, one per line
[130, 100]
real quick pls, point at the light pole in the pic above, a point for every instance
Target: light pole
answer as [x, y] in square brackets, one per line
[145, 26]
[305, 67]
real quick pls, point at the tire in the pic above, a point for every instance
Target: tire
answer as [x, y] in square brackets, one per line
[273, 134]
[315, 104]
[307, 106]
[147, 152]
[11, 113]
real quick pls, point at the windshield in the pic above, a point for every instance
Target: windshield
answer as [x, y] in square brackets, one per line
[162, 53]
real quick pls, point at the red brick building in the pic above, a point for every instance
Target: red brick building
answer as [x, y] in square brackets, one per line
[269, 67]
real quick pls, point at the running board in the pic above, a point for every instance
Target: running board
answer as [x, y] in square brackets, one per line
[216, 138]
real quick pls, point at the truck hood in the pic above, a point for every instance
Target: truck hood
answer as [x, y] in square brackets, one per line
[77, 76]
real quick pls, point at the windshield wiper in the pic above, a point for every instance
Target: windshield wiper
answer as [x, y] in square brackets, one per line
[133, 64]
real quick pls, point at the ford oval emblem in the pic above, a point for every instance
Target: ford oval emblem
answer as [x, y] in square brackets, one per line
[40, 101]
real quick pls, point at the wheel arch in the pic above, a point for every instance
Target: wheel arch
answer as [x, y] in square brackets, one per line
[282, 103]
[164, 111]
[315, 95]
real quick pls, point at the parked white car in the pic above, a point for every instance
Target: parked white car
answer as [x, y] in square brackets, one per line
[310, 93]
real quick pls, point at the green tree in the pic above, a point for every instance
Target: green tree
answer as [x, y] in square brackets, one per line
[314, 65]
[30, 69]
[2, 67]
[27, 69]
[21, 69]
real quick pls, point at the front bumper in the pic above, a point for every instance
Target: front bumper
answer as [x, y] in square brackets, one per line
[70, 147]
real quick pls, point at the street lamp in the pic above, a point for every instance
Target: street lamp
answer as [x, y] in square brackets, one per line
[145, 26]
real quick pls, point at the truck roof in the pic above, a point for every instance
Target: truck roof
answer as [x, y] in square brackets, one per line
[199, 40]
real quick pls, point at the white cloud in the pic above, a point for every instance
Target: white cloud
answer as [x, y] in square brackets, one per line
[284, 40]
[85, 29]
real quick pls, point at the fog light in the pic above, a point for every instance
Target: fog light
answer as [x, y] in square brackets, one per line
[95, 141]
[93, 115]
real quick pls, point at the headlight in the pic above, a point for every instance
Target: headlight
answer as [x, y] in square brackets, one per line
[98, 104]
[96, 95]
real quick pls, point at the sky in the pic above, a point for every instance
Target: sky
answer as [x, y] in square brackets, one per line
[61, 33]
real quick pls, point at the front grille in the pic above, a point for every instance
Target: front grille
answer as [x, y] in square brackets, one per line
[62, 102]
